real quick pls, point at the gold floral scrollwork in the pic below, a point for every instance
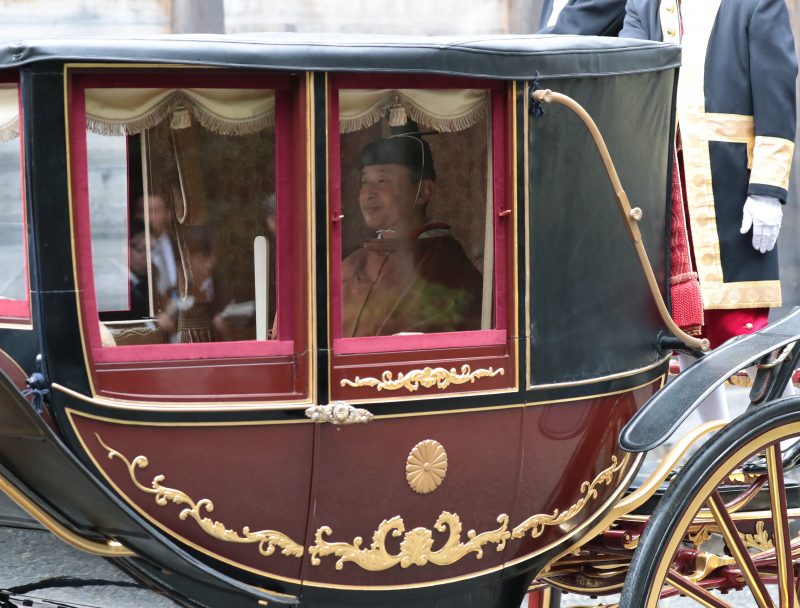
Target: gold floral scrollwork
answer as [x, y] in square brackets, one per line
[536, 524]
[426, 466]
[760, 540]
[428, 377]
[267, 540]
[416, 548]
[702, 534]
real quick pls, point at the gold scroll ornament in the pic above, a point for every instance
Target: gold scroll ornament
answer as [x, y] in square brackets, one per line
[536, 524]
[416, 547]
[267, 540]
[427, 377]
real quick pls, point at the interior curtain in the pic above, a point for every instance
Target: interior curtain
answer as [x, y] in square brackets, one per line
[9, 113]
[118, 111]
[442, 110]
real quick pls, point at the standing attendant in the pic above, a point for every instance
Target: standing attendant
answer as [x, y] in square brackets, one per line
[736, 122]
[736, 118]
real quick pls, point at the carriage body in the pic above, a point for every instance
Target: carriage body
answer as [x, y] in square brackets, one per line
[487, 452]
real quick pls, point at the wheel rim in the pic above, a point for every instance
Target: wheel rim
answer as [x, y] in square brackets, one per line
[657, 570]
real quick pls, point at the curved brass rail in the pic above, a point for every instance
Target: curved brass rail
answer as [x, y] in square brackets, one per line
[109, 548]
[631, 216]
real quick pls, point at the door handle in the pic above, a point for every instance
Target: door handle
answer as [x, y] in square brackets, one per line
[338, 412]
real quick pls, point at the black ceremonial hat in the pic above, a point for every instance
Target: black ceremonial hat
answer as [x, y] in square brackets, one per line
[405, 147]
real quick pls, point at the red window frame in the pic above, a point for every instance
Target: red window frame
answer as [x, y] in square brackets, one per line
[99, 78]
[18, 312]
[496, 336]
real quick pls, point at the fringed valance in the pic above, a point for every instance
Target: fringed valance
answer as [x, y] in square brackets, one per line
[9, 113]
[443, 110]
[111, 111]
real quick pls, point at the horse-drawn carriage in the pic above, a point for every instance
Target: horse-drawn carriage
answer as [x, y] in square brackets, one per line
[209, 378]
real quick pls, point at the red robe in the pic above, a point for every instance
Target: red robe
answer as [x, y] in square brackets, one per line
[425, 284]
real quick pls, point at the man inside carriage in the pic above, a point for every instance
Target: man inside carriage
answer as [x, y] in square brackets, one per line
[413, 276]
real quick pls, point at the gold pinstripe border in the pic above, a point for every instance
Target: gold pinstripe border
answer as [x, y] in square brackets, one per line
[118, 405]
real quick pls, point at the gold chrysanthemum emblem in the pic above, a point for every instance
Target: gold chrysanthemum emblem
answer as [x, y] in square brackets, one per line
[426, 466]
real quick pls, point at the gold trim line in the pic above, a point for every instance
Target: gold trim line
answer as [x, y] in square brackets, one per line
[110, 548]
[199, 406]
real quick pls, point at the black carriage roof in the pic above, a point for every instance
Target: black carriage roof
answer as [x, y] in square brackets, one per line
[503, 57]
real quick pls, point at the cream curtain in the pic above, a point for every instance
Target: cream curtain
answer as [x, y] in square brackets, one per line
[443, 110]
[9, 113]
[111, 111]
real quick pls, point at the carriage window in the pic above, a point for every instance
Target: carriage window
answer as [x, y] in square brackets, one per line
[416, 227]
[13, 271]
[182, 201]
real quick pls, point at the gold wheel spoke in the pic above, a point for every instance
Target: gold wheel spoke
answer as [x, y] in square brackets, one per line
[780, 525]
[738, 550]
[686, 587]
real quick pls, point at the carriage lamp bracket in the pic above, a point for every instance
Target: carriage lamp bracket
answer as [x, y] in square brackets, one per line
[630, 215]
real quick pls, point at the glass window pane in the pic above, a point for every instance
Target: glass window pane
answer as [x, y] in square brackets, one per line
[184, 219]
[13, 284]
[108, 212]
[416, 244]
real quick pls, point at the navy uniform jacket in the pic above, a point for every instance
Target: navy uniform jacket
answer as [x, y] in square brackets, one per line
[736, 112]
[585, 17]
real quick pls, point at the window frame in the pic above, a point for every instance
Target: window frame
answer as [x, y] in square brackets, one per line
[79, 80]
[13, 312]
[379, 356]
[501, 202]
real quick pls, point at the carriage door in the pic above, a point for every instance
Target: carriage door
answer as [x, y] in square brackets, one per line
[190, 211]
[419, 308]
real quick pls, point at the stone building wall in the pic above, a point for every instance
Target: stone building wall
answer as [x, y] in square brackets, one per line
[46, 18]
[369, 16]
[37, 18]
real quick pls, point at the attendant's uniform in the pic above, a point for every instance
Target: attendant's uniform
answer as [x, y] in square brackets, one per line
[736, 115]
[582, 17]
[425, 283]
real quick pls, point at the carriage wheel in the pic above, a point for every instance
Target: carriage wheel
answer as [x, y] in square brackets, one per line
[755, 553]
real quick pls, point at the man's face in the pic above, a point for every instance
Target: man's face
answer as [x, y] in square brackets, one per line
[160, 216]
[387, 195]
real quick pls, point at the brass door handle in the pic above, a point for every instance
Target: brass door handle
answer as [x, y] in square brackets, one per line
[338, 412]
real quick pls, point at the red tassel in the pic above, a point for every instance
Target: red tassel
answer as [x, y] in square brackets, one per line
[687, 303]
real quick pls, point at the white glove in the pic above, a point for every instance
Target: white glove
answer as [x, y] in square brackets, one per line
[764, 214]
